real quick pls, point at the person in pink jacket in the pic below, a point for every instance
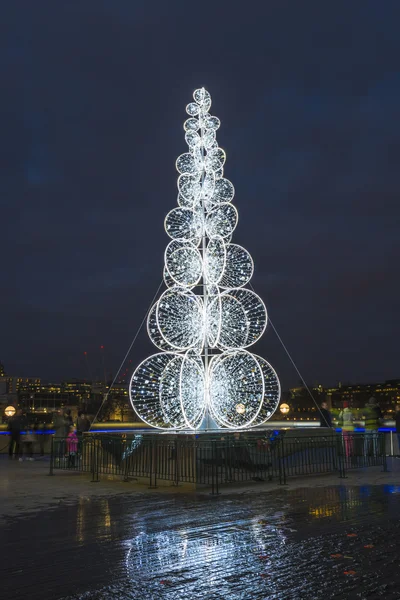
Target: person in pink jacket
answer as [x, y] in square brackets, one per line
[71, 444]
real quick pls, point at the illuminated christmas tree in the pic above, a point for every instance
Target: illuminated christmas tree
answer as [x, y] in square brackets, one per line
[206, 319]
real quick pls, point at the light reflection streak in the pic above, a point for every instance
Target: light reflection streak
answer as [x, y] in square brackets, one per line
[220, 551]
[102, 520]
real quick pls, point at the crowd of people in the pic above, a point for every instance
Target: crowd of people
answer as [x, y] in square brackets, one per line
[24, 436]
[372, 417]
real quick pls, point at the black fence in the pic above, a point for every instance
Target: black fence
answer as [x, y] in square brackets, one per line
[216, 461]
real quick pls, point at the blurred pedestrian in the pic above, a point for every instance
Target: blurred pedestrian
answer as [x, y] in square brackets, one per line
[40, 429]
[346, 418]
[59, 424]
[83, 423]
[28, 441]
[397, 422]
[71, 446]
[15, 427]
[67, 421]
[325, 416]
[372, 418]
[372, 415]
[59, 436]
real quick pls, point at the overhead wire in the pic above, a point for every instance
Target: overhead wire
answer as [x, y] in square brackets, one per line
[293, 363]
[127, 354]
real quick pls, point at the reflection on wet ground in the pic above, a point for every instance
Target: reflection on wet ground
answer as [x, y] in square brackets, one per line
[334, 542]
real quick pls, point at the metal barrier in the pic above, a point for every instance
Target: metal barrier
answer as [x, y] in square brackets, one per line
[392, 445]
[216, 461]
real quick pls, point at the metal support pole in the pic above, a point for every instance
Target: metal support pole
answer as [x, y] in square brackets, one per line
[214, 472]
[391, 444]
[340, 452]
[126, 467]
[51, 471]
[153, 464]
[383, 451]
[176, 471]
[95, 466]
[281, 462]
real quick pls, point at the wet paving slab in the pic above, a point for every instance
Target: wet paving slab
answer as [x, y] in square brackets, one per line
[308, 543]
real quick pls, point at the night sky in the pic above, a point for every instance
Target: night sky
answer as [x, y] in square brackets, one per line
[92, 102]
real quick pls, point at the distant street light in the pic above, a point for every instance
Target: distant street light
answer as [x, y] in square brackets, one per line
[10, 411]
[284, 408]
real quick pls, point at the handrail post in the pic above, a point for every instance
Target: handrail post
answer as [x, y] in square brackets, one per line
[153, 464]
[383, 451]
[214, 472]
[281, 462]
[176, 477]
[340, 442]
[126, 469]
[391, 444]
[212, 467]
[95, 467]
[216, 475]
[51, 471]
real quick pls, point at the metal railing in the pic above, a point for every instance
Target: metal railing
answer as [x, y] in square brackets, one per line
[41, 446]
[216, 461]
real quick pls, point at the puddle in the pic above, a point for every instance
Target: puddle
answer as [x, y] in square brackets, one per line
[340, 542]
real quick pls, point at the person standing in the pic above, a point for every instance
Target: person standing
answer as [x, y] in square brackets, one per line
[68, 422]
[347, 419]
[28, 441]
[372, 419]
[15, 427]
[58, 424]
[59, 435]
[397, 423]
[83, 424]
[40, 430]
[325, 416]
[71, 446]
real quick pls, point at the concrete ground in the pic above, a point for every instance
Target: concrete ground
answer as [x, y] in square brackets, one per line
[318, 537]
[26, 486]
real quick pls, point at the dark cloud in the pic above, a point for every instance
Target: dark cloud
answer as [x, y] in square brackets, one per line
[92, 106]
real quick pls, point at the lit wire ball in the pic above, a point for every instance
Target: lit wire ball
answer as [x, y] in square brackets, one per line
[238, 268]
[213, 321]
[244, 318]
[215, 258]
[154, 332]
[167, 391]
[152, 380]
[169, 282]
[235, 379]
[187, 165]
[185, 266]
[221, 220]
[223, 192]
[192, 390]
[272, 392]
[190, 189]
[183, 224]
[179, 317]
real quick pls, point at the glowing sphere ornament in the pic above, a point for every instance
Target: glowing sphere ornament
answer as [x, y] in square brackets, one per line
[206, 319]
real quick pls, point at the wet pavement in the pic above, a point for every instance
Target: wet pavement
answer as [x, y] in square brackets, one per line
[336, 541]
